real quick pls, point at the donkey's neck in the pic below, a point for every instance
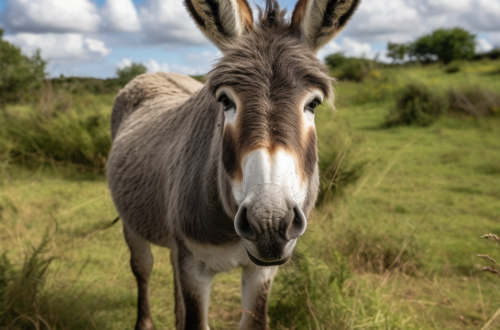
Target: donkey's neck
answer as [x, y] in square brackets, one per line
[207, 214]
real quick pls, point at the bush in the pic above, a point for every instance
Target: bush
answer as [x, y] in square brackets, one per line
[445, 45]
[337, 169]
[349, 68]
[83, 85]
[335, 60]
[20, 76]
[415, 105]
[58, 134]
[453, 67]
[396, 51]
[356, 70]
[473, 101]
[128, 73]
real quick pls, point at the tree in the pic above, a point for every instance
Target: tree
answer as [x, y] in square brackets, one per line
[397, 51]
[335, 60]
[445, 45]
[128, 73]
[20, 75]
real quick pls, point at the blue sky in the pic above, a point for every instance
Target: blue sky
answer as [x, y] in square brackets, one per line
[94, 37]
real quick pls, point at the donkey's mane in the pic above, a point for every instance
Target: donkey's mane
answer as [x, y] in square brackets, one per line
[272, 15]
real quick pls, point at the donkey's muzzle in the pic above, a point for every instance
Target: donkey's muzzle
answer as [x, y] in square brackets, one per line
[270, 230]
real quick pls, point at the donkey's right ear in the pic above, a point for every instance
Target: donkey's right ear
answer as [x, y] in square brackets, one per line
[221, 20]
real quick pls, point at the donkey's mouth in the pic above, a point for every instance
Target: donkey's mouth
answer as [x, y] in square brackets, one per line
[266, 263]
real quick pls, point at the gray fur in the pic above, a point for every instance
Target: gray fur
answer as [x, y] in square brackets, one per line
[167, 174]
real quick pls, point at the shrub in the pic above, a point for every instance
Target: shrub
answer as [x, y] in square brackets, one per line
[72, 136]
[335, 60]
[128, 73]
[349, 68]
[473, 101]
[397, 51]
[445, 45]
[356, 70]
[84, 85]
[338, 169]
[453, 67]
[415, 105]
[20, 75]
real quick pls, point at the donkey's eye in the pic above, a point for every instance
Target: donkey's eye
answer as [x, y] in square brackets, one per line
[311, 106]
[227, 103]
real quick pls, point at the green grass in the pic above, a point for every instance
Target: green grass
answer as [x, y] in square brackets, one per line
[387, 253]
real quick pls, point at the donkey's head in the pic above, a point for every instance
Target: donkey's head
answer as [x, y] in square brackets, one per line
[269, 83]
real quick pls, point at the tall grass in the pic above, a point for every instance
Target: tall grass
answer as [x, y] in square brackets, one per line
[58, 129]
[21, 299]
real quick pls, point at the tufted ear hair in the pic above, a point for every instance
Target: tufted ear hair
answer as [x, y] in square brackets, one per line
[320, 20]
[221, 20]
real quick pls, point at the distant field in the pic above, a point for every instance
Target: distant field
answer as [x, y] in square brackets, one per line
[386, 254]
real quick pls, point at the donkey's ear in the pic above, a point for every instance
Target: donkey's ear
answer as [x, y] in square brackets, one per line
[320, 20]
[221, 20]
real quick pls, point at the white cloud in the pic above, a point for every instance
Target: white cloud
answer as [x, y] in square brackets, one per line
[375, 18]
[483, 46]
[404, 20]
[61, 48]
[348, 46]
[439, 7]
[485, 15]
[120, 16]
[124, 63]
[154, 66]
[51, 16]
[495, 38]
[169, 21]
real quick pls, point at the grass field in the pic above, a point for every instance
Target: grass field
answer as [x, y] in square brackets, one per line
[397, 250]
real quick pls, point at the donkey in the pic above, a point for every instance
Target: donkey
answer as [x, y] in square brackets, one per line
[225, 174]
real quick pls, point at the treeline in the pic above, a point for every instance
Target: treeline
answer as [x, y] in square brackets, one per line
[445, 45]
[25, 79]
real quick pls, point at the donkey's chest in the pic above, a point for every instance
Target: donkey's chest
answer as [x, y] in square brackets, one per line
[219, 259]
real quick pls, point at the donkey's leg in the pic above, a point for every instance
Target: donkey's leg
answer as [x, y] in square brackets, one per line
[141, 262]
[255, 287]
[192, 289]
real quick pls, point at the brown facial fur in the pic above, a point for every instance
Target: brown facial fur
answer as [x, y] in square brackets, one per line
[270, 79]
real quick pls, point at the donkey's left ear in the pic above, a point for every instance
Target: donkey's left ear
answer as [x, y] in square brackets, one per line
[222, 21]
[320, 20]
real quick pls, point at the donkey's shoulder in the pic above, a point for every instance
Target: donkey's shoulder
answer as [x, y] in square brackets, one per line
[171, 87]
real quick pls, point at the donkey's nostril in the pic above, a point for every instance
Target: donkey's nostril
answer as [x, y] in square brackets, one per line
[298, 225]
[242, 225]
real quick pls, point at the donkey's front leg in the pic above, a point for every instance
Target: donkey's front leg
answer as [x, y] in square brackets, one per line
[255, 287]
[192, 289]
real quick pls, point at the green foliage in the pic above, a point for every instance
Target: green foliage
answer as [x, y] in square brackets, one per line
[474, 101]
[349, 68]
[312, 294]
[57, 133]
[415, 105]
[128, 73]
[339, 166]
[493, 54]
[21, 299]
[20, 76]
[84, 85]
[453, 67]
[336, 60]
[445, 45]
[397, 51]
